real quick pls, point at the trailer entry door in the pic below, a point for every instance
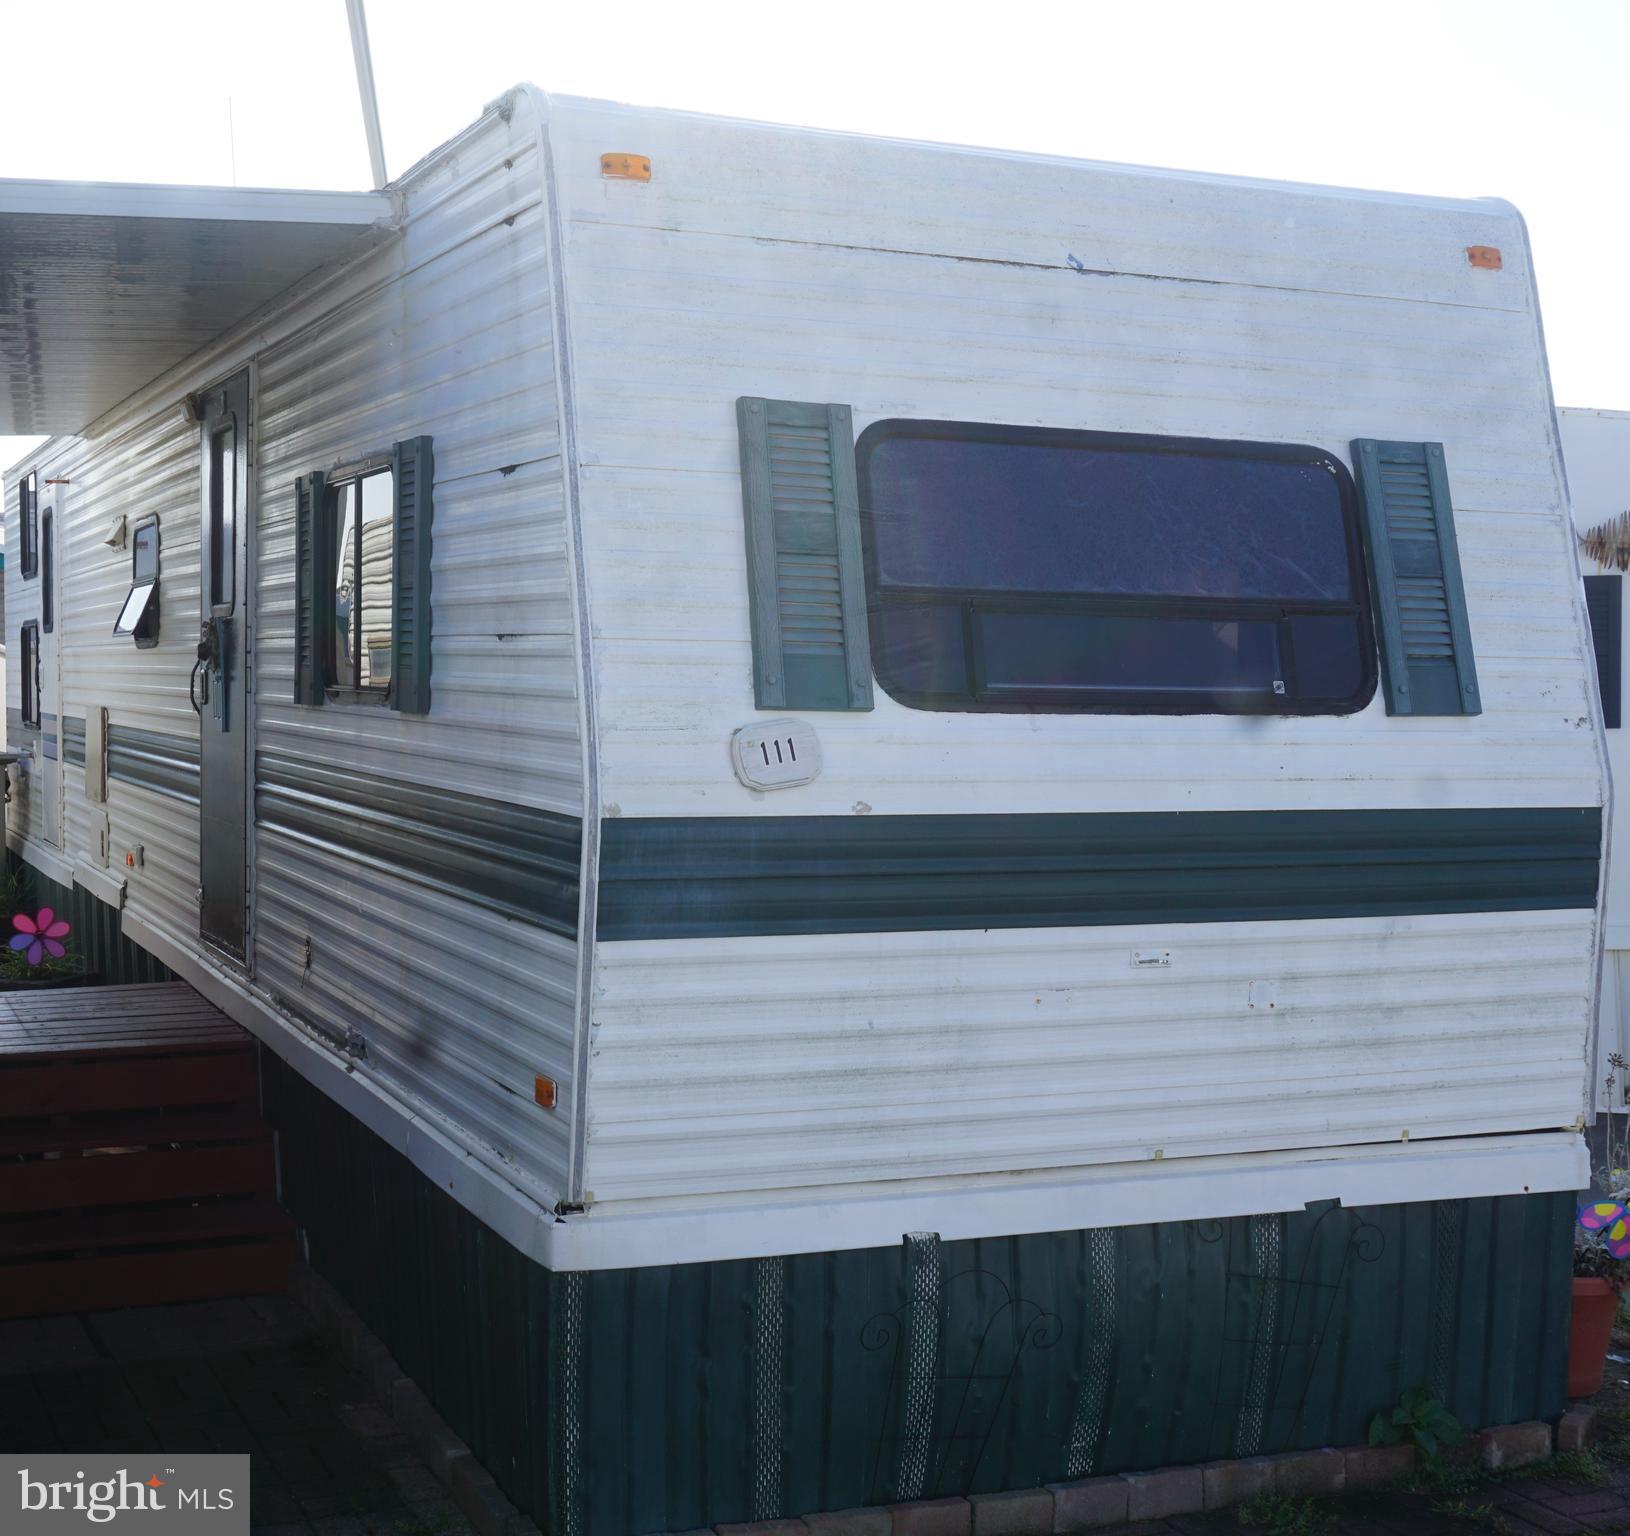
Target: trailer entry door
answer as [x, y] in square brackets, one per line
[218, 682]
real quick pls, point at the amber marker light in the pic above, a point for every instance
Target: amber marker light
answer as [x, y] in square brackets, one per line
[620, 167]
[1485, 256]
[543, 1090]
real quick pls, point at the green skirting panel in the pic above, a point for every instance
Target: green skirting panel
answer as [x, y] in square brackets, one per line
[667, 1398]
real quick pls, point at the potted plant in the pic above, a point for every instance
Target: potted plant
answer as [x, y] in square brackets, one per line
[1601, 1261]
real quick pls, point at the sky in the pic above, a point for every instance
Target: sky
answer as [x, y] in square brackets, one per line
[1523, 99]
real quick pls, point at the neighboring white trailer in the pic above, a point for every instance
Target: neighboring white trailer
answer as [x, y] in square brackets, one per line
[1171, 788]
[1596, 445]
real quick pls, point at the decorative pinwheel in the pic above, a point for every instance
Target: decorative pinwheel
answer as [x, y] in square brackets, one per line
[41, 935]
[1609, 1217]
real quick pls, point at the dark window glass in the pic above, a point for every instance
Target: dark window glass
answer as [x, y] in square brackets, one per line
[1019, 568]
[48, 590]
[144, 552]
[28, 651]
[1604, 598]
[361, 518]
[28, 533]
[139, 616]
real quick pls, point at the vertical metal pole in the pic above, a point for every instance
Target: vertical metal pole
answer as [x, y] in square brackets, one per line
[365, 89]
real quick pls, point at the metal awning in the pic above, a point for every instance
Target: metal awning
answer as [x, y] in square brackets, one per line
[104, 286]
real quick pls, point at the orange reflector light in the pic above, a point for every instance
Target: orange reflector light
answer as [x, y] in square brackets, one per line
[622, 167]
[1484, 256]
[543, 1090]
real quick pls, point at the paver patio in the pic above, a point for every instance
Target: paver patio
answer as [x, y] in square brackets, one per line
[249, 1374]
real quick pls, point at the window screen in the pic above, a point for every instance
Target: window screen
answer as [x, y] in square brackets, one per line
[361, 519]
[1604, 598]
[1018, 568]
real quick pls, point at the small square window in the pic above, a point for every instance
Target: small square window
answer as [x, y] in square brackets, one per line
[362, 573]
[138, 618]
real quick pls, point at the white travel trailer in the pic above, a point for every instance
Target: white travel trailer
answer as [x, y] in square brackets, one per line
[1596, 445]
[897, 819]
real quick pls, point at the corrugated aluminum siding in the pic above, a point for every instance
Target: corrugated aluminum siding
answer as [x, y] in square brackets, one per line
[139, 470]
[461, 1008]
[135, 470]
[446, 330]
[910, 281]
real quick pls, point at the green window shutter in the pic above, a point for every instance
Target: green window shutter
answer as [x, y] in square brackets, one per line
[806, 584]
[312, 605]
[1420, 603]
[414, 468]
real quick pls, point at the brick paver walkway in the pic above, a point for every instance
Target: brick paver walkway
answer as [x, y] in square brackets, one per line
[1572, 1496]
[249, 1374]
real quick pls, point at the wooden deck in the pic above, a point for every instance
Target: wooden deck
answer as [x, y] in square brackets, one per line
[132, 1019]
[134, 1165]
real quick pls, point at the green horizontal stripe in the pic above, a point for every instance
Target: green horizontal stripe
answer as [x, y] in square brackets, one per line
[515, 860]
[157, 760]
[696, 877]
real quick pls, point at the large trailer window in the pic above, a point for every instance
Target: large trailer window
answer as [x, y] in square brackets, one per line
[1032, 569]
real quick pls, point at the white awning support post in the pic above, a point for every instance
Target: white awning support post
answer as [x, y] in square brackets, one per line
[365, 89]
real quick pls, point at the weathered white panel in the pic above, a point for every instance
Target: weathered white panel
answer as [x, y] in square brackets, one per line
[760, 181]
[460, 1007]
[920, 283]
[914, 281]
[774, 1063]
